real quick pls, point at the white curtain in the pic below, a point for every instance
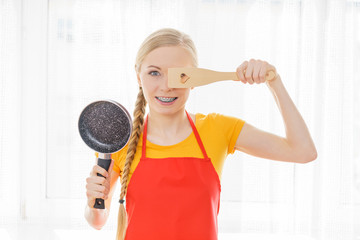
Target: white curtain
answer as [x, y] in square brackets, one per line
[57, 56]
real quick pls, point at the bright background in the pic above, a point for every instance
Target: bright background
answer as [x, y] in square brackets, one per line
[57, 56]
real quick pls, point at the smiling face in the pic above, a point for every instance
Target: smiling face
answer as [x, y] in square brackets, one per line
[153, 78]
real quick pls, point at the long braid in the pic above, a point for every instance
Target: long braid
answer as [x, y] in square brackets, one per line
[138, 122]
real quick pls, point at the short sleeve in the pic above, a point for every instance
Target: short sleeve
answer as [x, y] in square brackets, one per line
[231, 127]
[119, 160]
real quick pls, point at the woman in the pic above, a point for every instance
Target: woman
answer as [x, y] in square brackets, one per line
[178, 156]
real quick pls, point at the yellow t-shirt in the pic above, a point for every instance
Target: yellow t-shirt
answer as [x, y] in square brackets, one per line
[217, 132]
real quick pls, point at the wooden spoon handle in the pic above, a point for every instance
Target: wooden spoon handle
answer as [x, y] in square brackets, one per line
[193, 77]
[270, 75]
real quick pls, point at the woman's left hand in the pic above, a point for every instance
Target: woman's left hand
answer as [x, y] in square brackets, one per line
[254, 71]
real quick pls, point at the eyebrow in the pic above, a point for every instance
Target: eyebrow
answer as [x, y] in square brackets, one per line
[153, 66]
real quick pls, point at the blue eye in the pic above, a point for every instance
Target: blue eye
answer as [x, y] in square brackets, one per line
[154, 73]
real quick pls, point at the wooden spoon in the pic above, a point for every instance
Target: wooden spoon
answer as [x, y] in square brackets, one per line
[194, 77]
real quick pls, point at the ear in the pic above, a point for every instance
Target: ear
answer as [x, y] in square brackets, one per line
[138, 77]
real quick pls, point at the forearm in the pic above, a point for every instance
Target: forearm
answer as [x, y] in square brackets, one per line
[96, 217]
[297, 133]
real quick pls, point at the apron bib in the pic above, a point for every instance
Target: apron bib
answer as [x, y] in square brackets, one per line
[175, 198]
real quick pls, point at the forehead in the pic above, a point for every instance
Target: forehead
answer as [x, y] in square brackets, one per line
[169, 56]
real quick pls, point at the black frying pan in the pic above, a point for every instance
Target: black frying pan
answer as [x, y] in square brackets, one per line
[105, 126]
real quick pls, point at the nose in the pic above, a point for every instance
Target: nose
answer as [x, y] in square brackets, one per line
[164, 85]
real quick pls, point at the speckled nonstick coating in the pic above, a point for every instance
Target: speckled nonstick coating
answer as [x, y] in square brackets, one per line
[105, 126]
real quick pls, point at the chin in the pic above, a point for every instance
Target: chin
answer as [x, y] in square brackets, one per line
[167, 111]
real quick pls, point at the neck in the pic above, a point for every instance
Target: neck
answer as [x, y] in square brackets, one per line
[161, 125]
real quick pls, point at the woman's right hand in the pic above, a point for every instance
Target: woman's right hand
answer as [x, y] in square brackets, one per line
[97, 186]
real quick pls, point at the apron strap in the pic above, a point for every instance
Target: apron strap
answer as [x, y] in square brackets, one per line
[198, 139]
[143, 153]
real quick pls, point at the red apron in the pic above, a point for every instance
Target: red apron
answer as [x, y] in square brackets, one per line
[173, 198]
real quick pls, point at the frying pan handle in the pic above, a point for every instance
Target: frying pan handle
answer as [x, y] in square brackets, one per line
[105, 164]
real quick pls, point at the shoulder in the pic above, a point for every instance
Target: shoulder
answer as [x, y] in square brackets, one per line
[121, 153]
[219, 123]
[203, 117]
[216, 118]
[119, 157]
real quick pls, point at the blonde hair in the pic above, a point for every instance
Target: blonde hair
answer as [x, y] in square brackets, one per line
[159, 38]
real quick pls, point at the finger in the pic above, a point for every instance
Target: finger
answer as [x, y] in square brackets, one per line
[98, 184]
[98, 169]
[263, 72]
[96, 180]
[256, 72]
[91, 202]
[241, 70]
[269, 69]
[94, 194]
[249, 72]
[95, 188]
[106, 185]
[95, 191]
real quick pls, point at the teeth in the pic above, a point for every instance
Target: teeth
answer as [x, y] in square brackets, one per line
[165, 99]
